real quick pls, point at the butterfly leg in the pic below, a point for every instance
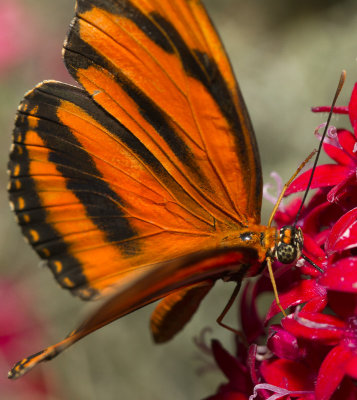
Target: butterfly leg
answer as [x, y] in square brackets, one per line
[275, 290]
[225, 311]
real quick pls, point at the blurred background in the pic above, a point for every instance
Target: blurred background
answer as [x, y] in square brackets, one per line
[288, 56]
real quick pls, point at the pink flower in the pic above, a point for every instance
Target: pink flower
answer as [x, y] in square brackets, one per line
[20, 330]
[20, 33]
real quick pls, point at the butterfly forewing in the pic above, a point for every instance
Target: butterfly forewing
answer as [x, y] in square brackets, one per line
[150, 65]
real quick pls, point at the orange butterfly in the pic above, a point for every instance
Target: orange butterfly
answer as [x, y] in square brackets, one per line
[145, 183]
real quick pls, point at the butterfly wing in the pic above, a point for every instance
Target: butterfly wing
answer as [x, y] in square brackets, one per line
[91, 199]
[153, 159]
[175, 310]
[155, 167]
[160, 69]
[160, 281]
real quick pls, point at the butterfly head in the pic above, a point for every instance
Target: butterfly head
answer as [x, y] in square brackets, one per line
[289, 245]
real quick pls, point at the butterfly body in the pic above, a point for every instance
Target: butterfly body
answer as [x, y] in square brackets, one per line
[145, 182]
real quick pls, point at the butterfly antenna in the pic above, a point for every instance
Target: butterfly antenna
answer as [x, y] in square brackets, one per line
[269, 262]
[337, 93]
[301, 166]
[287, 184]
[312, 263]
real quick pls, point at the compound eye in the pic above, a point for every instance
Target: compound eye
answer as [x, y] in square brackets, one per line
[286, 253]
[246, 236]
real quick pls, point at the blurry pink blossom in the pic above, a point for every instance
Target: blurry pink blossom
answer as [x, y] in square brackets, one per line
[20, 329]
[21, 41]
[17, 34]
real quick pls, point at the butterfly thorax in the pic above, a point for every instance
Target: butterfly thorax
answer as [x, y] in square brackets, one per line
[284, 245]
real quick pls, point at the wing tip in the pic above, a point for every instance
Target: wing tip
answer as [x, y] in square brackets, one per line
[25, 365]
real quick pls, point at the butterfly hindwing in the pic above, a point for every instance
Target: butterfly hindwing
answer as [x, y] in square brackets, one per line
[176, 309]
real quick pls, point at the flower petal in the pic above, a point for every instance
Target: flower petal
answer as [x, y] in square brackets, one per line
[351, 368]
[290, 375]
[352, 106]
[348, 142]
[283, 344]
[344, 192]
[338, 154]
[286, 215]
[252, 364]
[324, 215]
[251, 323]
[303, 291]
[343, 304]
[314, 252]
[343, 235]
[342, 276]
[332, 371]
[325, 175]
[234, 370]
[336, 109]
[315, 326]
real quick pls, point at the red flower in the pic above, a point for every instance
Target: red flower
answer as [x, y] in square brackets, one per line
[342, 175]
[324, 331]
[312, 353]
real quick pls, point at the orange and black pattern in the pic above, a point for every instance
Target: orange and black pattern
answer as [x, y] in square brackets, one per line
[138, 175]
[153, 158]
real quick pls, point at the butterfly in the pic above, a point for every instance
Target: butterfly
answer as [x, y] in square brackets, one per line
[144, 183]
